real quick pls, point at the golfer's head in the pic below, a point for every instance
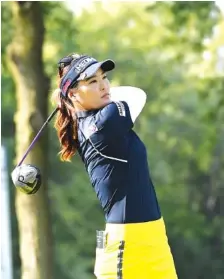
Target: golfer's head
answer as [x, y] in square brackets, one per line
[84, 81]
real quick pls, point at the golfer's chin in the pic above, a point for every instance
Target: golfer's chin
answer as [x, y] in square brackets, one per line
[105, 101]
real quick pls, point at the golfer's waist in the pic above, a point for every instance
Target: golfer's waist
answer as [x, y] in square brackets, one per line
[119, 212]
[140, 232]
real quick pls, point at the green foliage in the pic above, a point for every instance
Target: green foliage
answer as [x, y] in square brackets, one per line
[185, 22]
[157, 48]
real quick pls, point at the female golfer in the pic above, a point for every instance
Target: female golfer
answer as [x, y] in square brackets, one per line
[96, 121]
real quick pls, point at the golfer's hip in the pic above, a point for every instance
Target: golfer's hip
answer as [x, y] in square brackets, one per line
[134, 251]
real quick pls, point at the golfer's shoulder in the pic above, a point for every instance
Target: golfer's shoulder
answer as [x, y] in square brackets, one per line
[114, 110]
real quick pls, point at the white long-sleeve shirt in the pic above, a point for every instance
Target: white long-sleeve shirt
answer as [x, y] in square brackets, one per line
[133, 96]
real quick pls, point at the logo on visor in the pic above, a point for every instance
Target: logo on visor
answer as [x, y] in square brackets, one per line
[82, 65]
[66, 85]
[82, 76]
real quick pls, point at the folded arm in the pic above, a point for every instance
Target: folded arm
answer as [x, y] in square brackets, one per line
[133, 96]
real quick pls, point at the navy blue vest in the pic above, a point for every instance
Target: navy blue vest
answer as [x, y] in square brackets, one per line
[116, 161]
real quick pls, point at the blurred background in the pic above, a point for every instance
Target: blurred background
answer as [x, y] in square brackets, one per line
[172, 50]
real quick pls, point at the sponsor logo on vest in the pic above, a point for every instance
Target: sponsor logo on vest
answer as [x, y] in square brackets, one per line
[92, 129]
[121, 108]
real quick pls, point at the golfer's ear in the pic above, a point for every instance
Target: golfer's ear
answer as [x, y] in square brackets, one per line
[72, 92]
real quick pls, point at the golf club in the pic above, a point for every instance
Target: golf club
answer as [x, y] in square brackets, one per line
[26, 177]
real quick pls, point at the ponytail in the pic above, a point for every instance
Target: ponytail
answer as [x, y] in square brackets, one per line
[66, 122]
[66, 127]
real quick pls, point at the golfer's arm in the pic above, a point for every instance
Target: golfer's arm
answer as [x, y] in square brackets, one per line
[133, 96]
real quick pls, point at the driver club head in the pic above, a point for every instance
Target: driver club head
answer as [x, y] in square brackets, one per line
[26, 178]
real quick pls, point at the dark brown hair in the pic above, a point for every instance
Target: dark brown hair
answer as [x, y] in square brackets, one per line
[66, 122]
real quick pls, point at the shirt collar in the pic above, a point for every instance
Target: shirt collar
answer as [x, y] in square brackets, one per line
[85, 113]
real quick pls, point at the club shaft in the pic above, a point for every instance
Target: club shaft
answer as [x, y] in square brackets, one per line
[38, 134]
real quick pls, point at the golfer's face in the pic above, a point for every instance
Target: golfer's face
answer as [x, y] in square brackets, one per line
[93, 93]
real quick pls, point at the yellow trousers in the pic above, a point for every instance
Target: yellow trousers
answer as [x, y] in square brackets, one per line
[135, 251]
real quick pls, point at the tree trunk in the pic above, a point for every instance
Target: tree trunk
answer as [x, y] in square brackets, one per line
[25, 62]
